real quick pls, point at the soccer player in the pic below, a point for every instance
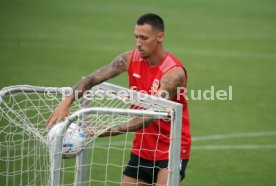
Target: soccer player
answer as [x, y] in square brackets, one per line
[150, 68]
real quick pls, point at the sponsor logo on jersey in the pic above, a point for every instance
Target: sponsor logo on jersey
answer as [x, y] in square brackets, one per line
[136, 75]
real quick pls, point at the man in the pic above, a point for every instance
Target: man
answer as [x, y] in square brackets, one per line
[158, 72]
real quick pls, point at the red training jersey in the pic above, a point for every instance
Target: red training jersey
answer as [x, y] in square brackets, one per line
[152, 142]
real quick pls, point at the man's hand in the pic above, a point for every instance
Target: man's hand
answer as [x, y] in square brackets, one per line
[61, 111]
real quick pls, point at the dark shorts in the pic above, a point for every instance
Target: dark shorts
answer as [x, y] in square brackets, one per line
[147, 170]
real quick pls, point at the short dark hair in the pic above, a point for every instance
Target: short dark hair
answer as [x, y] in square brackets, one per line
[153, 20]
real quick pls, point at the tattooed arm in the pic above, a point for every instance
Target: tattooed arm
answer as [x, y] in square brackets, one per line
[116, 67]
[168, 89]
[173, 79]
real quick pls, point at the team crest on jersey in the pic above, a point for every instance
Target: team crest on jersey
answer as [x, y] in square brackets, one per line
[155, 85]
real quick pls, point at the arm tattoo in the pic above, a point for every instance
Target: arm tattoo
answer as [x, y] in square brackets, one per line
[131, 126]
[117, 66]
[120, 62]
[170, 82]
[135, 124]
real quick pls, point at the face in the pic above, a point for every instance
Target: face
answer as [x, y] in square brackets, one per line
[147, 39]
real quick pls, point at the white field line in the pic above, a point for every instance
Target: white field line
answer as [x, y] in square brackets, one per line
[127, 144]
[234, 147]
[230, 54]
[195, 52]
[231, 136]
[204, 52]
[212, 138]
[199, 147]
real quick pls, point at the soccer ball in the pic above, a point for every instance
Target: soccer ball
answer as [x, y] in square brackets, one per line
[73, 140]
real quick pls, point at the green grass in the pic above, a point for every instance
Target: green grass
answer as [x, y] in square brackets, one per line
[221, 43]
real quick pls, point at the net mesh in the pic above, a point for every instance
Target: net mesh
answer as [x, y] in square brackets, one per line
[24, 151]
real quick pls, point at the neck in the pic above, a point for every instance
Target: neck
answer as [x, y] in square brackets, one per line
[156, 58]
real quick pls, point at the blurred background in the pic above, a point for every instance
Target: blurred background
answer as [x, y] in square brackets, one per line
[221, 43]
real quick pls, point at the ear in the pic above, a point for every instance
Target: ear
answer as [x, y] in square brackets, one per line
[160, 36]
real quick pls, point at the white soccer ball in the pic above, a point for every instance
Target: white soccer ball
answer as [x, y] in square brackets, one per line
[73, 140]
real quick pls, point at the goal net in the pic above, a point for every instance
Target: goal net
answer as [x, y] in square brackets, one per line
[26, 158]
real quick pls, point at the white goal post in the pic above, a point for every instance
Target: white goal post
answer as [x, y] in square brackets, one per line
[26, 158]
